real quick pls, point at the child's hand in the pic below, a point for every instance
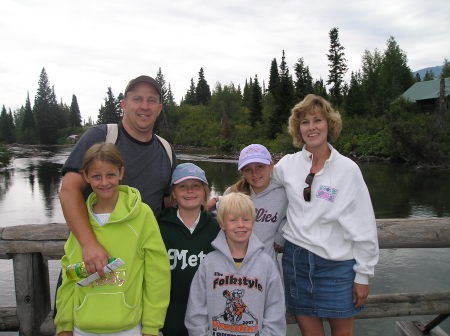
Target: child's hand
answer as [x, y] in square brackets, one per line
[212, 204]
[278, 248]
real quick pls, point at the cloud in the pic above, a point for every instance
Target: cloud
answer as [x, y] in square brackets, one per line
[88, 46]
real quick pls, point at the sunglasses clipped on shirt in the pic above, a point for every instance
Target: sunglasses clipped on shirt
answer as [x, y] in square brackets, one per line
[307, 191]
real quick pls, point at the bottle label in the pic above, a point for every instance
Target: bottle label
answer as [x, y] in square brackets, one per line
[116, 263]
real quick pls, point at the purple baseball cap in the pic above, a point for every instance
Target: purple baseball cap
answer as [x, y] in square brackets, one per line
[254, 153]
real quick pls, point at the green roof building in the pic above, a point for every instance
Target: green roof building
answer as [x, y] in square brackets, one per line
[426, 94]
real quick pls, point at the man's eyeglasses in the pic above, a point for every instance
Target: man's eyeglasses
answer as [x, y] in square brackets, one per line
[307, 190]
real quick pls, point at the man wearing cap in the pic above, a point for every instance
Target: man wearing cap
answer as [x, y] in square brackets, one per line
[147, 164]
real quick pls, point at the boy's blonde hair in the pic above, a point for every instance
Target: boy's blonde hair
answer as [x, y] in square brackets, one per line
[237, 204]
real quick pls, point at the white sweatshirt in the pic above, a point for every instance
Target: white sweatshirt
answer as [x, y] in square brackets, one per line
[338, 223]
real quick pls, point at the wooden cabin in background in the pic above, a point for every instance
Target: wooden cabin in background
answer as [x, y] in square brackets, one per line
[431, 96]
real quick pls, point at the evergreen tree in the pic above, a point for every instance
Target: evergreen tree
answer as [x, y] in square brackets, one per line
[247, 95]
[371, 81]
[161, 124]
[191, 97]
[320, 89]
[274, 79]
[170, 108]
[119, 106]
[12, 126]
[256, 102]
[44, 110]
[284, 99]
[429, 75]
[396, 76]
[75, 116]
[62, 112]
[417, 77]
[354, 100]
[226, 103]
[202, 91]
[445, 69]
[338, 67]
[109, 113]
[28, 120]
[162, 82]
[303, 84]
[6, 126]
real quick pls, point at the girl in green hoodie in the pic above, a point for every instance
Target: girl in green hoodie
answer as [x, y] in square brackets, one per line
[131, 300]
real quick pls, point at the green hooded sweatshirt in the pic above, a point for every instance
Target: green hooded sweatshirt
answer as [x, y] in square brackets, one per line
[137, 292]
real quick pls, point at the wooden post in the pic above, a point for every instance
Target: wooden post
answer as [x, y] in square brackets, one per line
[32, 291]
[8, 319]
[410, 328]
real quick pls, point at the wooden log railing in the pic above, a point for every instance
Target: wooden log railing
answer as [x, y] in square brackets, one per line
[31, 246]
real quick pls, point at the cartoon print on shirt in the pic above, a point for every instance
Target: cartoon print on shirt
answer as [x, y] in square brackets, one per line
[235, 308]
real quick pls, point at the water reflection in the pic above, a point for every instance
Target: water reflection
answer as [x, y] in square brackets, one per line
[400, 192]
[6, 178]
[29, 189]
[397, 191]
[49, 178]
[219, 175]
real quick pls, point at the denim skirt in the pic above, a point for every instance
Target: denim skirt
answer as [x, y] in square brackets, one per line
[315, 286]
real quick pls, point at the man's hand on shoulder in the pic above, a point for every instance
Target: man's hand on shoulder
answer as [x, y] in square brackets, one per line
[95, 257]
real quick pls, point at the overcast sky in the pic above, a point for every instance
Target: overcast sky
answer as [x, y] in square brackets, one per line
[88, 46]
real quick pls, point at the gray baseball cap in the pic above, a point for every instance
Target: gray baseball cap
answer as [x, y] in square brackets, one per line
[143, 79]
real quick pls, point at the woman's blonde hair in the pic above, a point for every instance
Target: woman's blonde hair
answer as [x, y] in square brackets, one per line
[237, 204]
[103, 152]
[314, 104]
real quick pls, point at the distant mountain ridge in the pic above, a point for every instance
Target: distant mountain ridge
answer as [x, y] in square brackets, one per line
[437, 70]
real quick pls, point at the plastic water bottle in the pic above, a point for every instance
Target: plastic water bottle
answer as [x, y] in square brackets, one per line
[78, 271]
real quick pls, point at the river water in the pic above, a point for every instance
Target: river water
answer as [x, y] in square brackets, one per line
[28, 195]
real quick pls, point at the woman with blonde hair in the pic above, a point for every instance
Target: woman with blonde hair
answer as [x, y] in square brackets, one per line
[331, 245]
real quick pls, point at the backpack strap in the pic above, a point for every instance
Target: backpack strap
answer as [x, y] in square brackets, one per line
[112, 132]
[166, 146]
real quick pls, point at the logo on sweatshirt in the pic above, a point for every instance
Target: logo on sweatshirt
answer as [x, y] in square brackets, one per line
[232, 280]
[191, 260]
[236, 316]
[114, 278]
[262, 215]
[327, 193]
